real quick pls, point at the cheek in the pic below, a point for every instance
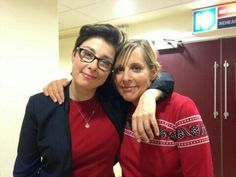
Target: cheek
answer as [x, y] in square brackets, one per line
[117, 81]
[76, 66]
[144, 83]
[115, 78]
[103, 76]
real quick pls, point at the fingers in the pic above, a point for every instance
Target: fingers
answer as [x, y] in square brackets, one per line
[145, 128]
[65, 82]
[155, 126]
[144, 117]
[148, 129]
[55, 90]
[53, 93]
[45, 91]
[135, 129]
[141, 128]
[142, 133]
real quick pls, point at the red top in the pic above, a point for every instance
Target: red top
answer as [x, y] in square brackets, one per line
[182, 150]
[94, 148]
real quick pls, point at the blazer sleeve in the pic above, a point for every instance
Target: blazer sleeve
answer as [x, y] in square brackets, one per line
[28, 157]
[164, 82]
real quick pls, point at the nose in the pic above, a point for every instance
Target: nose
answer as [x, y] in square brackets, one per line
[126, 76]
[93, 65]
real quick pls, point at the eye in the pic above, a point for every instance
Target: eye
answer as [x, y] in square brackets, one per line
[136, 68]
[105, 63]
[119, 70]
[87, 54]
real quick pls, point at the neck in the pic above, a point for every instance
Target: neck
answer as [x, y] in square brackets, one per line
[78, 94]
[135, 102]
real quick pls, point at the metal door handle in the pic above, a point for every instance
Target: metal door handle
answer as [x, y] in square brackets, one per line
[226, 65]
[215, 112]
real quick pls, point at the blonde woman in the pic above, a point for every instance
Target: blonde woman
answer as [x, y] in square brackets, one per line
[183, 148]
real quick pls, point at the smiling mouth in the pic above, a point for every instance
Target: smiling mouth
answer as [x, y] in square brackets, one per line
[88, 76]
[128, 89]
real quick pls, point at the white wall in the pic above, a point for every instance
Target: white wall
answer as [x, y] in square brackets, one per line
[28, 60]
[66, 46]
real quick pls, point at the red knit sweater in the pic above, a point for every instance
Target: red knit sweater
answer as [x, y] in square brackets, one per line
[181, 150]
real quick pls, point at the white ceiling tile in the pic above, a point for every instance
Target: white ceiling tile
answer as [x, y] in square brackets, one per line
[72, 19]
[74, 13]
[106, 10]
[73, 4]
[62, 8]
[103, 10]
[145, 6]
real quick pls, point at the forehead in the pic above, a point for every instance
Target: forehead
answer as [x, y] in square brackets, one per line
[99, 46]
[96, 41]
[131, 55]
[136, 55]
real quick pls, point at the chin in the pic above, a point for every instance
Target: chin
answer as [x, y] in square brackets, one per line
[130, 99]
[126, 98]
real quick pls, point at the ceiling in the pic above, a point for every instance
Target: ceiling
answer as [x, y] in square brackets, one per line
[75, 13]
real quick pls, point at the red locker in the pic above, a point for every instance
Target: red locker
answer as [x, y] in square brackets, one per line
[206, 72]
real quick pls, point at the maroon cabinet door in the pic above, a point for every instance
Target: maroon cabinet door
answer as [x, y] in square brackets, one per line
[194, 74]
[229, 123]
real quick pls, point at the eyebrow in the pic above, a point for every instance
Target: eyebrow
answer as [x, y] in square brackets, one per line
[136, 63]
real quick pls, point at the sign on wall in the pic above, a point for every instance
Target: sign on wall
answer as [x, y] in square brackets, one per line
[213, 18]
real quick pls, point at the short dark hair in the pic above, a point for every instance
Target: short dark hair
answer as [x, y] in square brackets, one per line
[108, 32]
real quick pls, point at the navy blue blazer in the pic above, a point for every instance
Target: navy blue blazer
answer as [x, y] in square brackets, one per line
[44, 148]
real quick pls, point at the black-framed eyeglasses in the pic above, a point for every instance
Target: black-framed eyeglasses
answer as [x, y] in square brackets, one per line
[88, 57]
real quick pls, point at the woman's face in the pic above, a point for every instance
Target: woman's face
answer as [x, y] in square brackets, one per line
[134, 77]
[87, 75]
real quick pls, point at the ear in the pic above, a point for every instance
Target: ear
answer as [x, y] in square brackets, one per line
[73, 56]
[153, 73]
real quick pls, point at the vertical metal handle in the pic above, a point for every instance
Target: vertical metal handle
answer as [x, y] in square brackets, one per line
[215, 112]
[226, 65]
